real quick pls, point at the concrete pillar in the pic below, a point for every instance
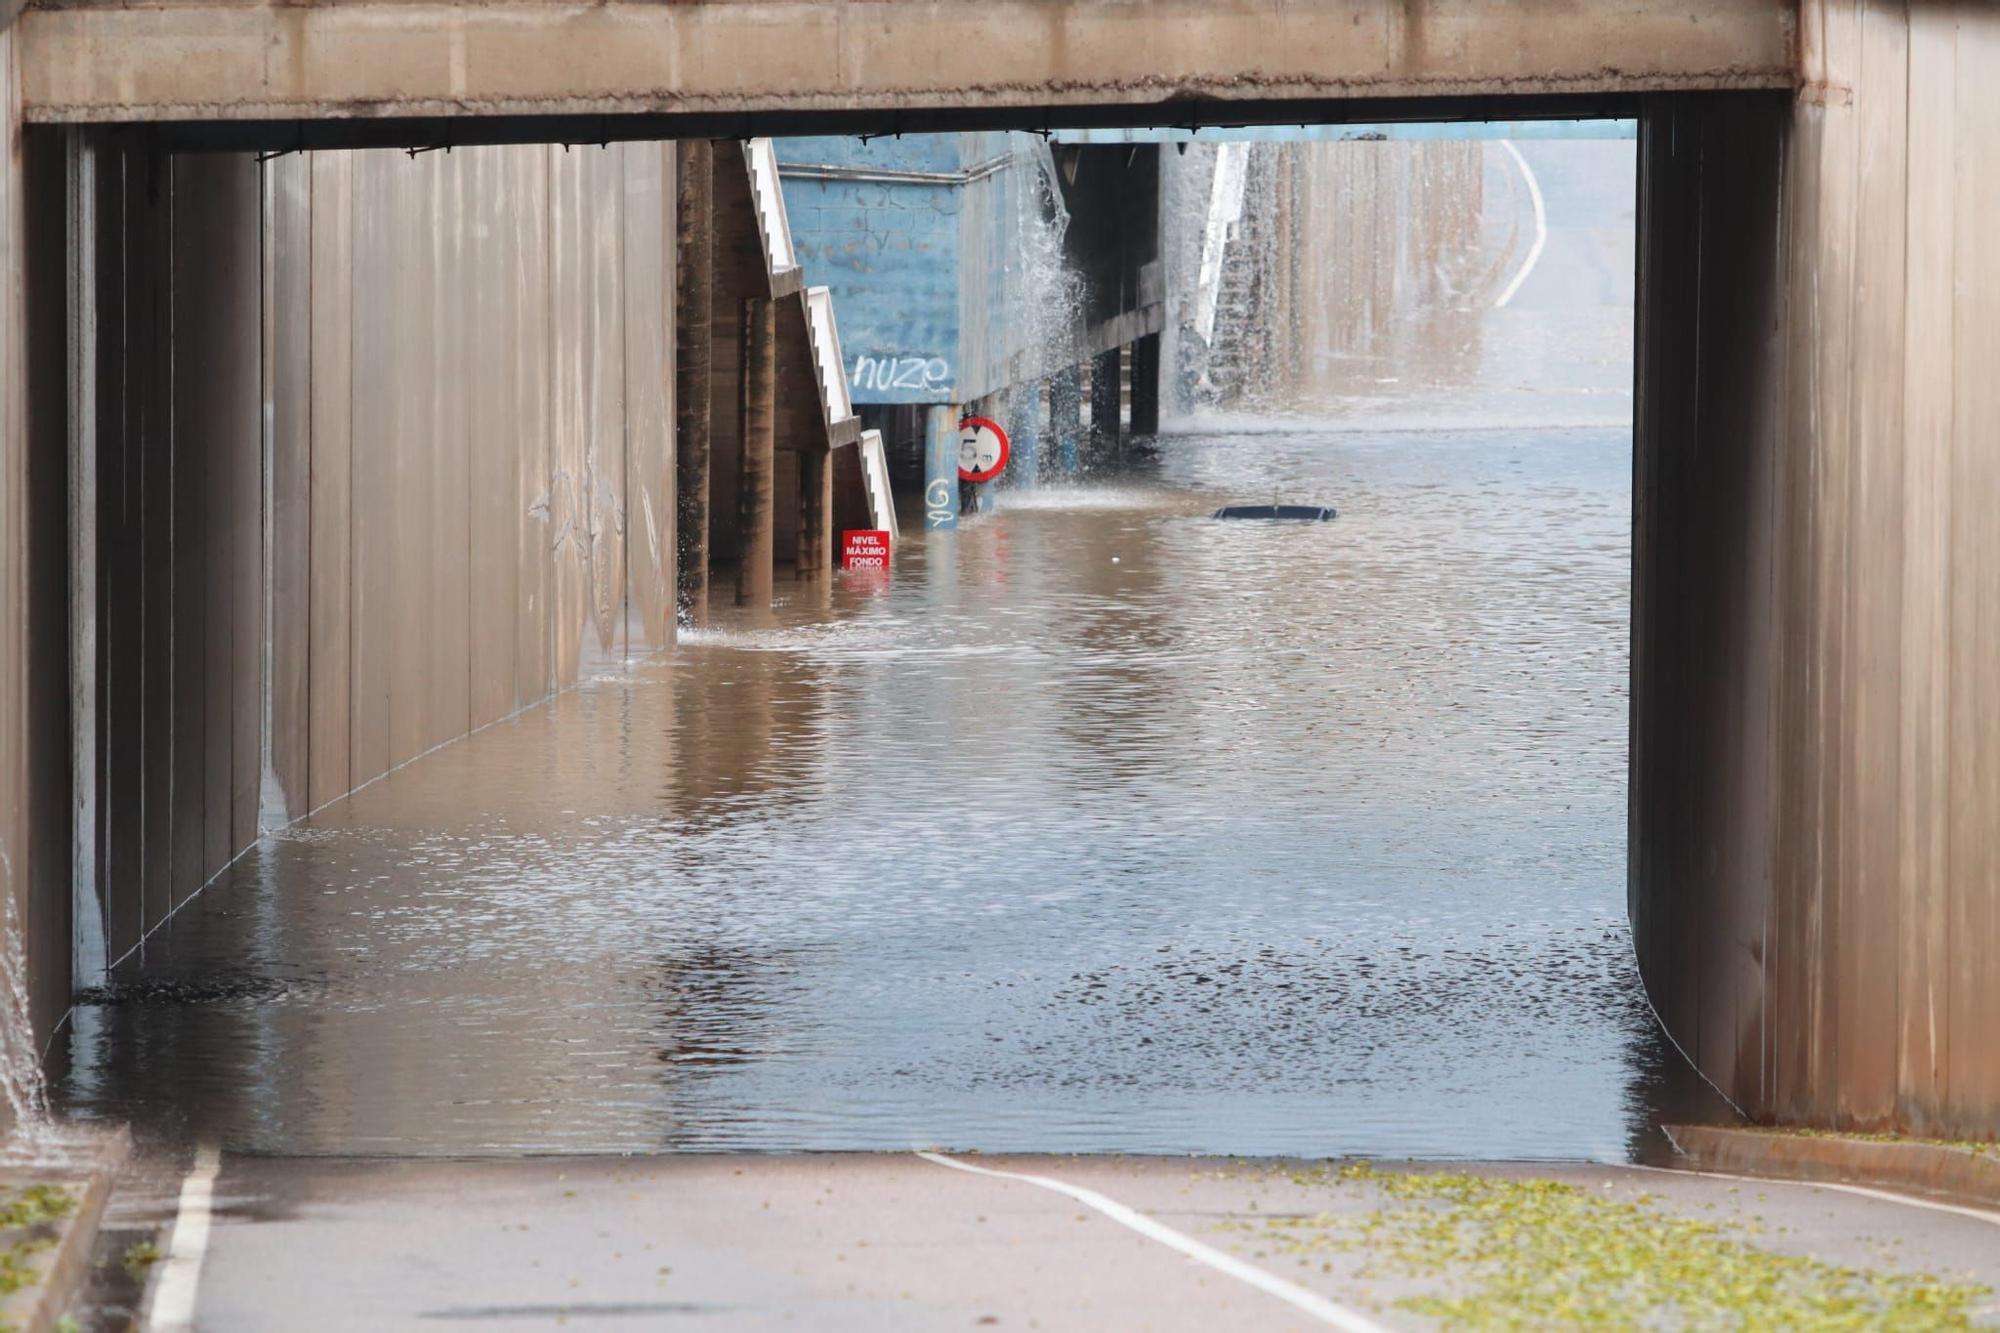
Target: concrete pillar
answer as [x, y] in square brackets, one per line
[1146, 385]
[1107, 401]
[815, 546]
[759, 381]
[694, 303]
[1816, 658]
[1024, 433]
[13, 510]
[978, 497]
[1066, 419]
[941, 468]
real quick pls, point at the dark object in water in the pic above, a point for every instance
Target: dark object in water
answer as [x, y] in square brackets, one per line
[1293, 513]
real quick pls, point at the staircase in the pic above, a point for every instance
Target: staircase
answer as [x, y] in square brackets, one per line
[814, 310]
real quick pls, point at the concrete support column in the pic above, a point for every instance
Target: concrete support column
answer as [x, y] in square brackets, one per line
[759, 382]
[815, 560]
[1066, 419]
[1107, 400]
[976, 497]
[1024, 433]
[941, 467]
[1146, 385]
[694, 307]
[1816, 655]
[13, 505]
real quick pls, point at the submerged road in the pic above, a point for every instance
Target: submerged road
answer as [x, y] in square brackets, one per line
[1085, 831]
[903, 1241]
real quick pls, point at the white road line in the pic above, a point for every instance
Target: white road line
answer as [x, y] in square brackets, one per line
[1541, 225]
[1889, 1196]
[1296, 1296]
[180, 1274]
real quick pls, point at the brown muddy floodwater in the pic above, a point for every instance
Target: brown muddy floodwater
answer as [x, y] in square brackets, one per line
[1101, 825]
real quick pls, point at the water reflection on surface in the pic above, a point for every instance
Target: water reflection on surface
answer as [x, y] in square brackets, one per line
[1102, 825]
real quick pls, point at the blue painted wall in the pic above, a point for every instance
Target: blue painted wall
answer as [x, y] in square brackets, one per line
[914, 235]
[890, 252]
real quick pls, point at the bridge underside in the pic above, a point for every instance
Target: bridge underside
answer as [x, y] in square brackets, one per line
[361, 59]
[1815, 867]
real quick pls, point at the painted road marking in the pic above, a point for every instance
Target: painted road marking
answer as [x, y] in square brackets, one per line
[180, 1274]
[1541, 225]
[1888, 1196]
[1296, 1296]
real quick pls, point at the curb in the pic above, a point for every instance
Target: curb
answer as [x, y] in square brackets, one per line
[1963, 1174]
[67, 1264]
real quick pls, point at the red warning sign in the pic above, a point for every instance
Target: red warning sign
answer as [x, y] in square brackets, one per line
[982, 449]
[864, 548]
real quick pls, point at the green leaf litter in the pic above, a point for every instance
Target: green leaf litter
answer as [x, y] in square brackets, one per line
[1537, 1254]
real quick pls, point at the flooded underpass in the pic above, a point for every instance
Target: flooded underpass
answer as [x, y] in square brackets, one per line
[1098, 826]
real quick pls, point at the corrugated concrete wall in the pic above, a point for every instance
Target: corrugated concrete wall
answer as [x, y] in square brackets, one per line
[1710, 439]
[178, 607]
[1816, 705]
[434, 490]
[480, 373]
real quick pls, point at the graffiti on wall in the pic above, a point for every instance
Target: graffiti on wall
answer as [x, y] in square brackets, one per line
[917, 375]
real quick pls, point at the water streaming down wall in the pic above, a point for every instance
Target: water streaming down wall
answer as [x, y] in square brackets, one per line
[1346, 269]
[23, 1093]
[1033, 296]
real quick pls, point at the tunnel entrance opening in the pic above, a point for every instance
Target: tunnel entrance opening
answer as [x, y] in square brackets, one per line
[1711, 292]
[305, 561]
[288, 600]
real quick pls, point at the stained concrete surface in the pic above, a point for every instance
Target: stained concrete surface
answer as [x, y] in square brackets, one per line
[882, 1241]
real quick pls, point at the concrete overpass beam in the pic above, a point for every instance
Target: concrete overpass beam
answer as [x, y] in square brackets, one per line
[248, 59]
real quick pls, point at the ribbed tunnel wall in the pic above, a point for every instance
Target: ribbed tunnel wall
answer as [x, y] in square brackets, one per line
[431, 492]
[1815, 839]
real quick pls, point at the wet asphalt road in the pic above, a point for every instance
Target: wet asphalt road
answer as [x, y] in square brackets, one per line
[895, 1241]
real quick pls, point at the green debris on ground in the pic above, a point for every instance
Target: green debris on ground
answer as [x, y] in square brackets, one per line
[28, 1218]
[27, 1225]
[1979, 1148]
[1536, 1253]
[36, 1204]
[141, 1255]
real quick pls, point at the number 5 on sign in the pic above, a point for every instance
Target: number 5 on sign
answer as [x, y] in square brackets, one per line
[982, 449]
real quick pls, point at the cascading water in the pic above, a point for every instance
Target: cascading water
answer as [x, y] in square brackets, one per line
[1373, 280]
[21, 1084]
[1043, 296]
[1329, 271]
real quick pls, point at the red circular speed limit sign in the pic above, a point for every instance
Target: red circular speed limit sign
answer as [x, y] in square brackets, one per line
[982, 449]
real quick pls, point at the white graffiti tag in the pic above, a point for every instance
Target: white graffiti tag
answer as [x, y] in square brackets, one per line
[881, 374]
